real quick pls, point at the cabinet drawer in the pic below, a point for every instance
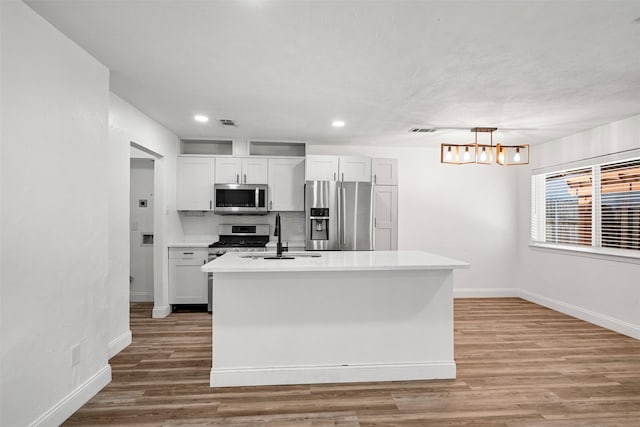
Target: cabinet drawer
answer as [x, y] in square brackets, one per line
[186, 254]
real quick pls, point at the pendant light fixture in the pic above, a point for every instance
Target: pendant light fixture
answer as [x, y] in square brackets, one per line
[505, 155]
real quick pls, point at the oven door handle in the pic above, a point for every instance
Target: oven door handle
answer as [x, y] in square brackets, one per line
[257, 197]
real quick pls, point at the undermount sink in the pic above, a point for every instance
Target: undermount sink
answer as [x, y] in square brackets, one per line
[285, 256]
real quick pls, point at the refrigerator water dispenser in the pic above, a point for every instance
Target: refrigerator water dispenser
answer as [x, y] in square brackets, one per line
[319, 220]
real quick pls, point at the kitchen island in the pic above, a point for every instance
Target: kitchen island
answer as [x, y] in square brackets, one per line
[332, 317]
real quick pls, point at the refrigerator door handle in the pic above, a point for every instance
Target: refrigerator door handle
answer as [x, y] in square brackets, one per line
[343, 201]
[339, 216]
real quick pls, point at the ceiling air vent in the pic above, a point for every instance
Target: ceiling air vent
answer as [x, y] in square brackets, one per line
[227, 122]
[423, 130]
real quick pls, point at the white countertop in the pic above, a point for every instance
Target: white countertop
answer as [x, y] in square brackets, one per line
[190, 244]
[233, 262]
[271, 244]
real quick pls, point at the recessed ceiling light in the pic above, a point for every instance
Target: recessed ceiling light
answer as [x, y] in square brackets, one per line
[201, 119]
[337, 124]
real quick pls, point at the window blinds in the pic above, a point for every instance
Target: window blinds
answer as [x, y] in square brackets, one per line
[568, 207]
[620, 204]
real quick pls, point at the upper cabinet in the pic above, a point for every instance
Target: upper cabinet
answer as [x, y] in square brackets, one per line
[338, 168]
[228, 170]
[384, 171]
[286, 184]
[254, 171]
[195, 179]
[355, 168]
[236, 170]
[322, 168]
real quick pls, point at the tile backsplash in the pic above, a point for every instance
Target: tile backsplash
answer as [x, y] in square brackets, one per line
[203, 226]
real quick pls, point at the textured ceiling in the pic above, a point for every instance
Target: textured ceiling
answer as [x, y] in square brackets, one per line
[286, 69]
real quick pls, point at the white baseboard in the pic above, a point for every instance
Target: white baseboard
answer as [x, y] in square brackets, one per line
[160, 311]
[62, 410]
[599, 319]
[120, 343]
[332, 374]
[486, 292]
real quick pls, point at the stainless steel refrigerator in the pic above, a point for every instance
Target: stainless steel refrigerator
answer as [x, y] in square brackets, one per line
[339, 216]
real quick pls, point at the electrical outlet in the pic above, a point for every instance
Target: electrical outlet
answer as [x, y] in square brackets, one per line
[75, 355]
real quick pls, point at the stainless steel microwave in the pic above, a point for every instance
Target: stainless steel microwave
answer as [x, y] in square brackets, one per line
[240, 199]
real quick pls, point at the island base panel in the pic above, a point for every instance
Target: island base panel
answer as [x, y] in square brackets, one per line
[331, 374]
[318, 327]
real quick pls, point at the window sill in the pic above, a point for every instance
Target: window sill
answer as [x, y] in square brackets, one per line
[591, 252]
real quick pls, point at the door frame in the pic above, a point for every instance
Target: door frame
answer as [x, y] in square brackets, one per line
[161, 306]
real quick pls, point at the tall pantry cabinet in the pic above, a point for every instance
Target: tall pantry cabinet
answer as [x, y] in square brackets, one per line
[384, 174]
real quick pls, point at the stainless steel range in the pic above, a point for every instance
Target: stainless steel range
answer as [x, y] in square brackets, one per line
[237, 238]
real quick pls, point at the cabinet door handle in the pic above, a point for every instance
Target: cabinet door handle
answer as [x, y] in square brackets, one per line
[334, 176]
[375, 178]
[270, 204]
[245, 178]
[187, 253]
[375, 222]
[210, 204]
[237, 178]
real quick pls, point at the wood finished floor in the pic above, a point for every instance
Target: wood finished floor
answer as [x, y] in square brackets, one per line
[519, 365]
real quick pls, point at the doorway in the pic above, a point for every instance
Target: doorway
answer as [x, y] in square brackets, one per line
[141, 226]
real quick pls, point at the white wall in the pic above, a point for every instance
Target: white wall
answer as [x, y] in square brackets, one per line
[602, 291]
[465, 212]
[126, 125]
[55, 100]
[141, 222]
[203, 227]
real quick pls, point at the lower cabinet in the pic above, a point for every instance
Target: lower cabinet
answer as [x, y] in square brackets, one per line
[187, 284]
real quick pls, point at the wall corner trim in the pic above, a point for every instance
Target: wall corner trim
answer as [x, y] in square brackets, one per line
[598, 319]
[62, 410]
[160, 311]
[120, 343]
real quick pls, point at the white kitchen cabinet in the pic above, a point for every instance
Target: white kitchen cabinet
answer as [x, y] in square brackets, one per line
[195, 179]
[384, 171]
[338, 168]
[236, 170]
[354, 168]
[321, 168]
[187, 284]
[254, 171]
[385, 233]
[286, 184]
[228, 170]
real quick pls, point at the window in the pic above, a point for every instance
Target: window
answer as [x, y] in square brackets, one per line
[595, 207]
[620, 205]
